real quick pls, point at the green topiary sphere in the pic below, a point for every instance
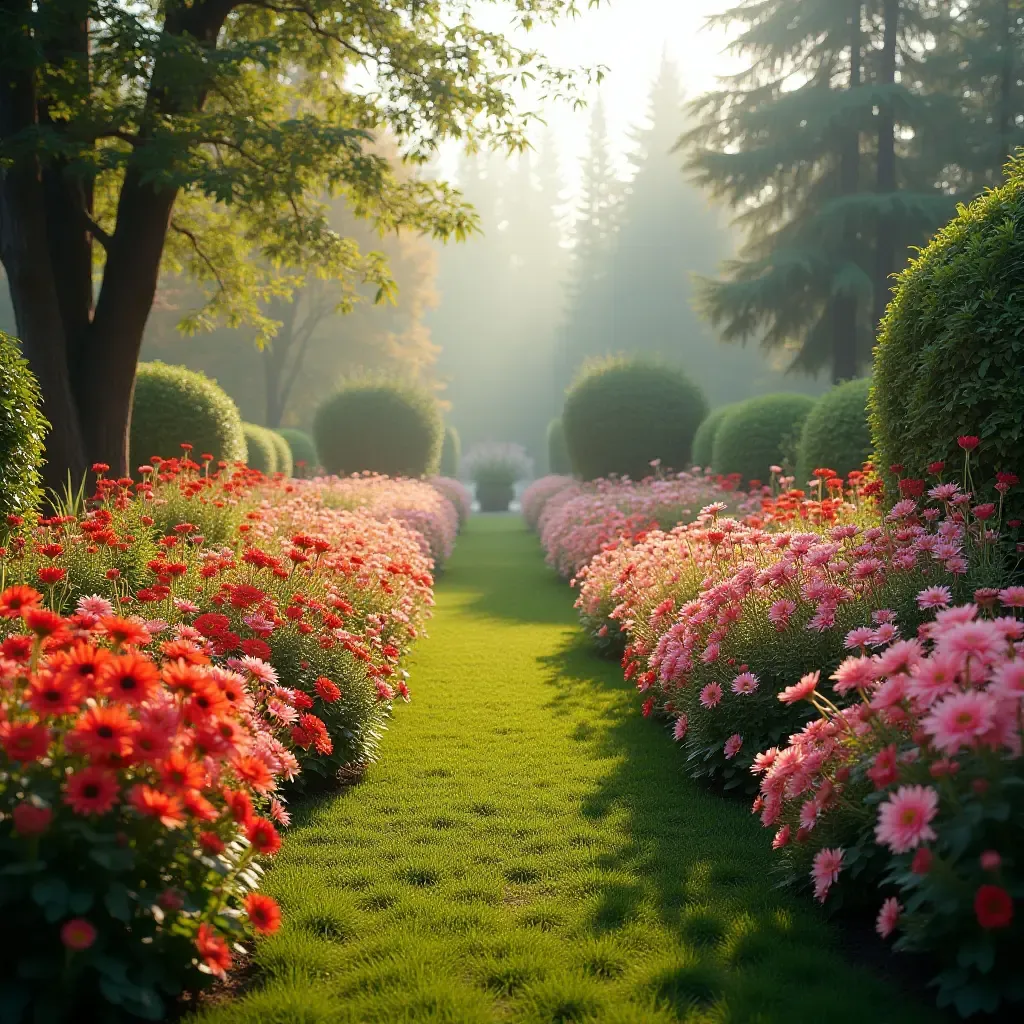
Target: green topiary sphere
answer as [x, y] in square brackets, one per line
[704, 439]
[759, 433]
[174, 405]
[303, 451]
[836, 434]
[623, 413]
[950, 350]
[451, 453]
[380, 426]
[262, 448]
[283, 453]
[558, 453]
[22, 432]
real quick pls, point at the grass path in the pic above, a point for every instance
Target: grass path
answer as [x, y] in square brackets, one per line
[527, 850]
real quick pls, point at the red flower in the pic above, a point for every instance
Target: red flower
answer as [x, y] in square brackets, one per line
[263, 836]
[104, 732]
[302, 701]
[78, 934]
[31, 820]
[968, 442]
[91, 790]
[245, 596]
[52, 695]
[17, 648]
[211, 624]
[327, 690]
[49, 575]
[154, 804]
[264, 913]
[123, 632]
[211, 843]
[178, 773]
[23, 742]
[883, 771]
[1010, 479]
[922, 862]
[131, 678]
[911, 488]
[213, 950]
[254, 773]
[984, 512]
[935, 468]
[42, 621]
[82, 664]
[993, 907]
[14, 600]
[239, 805]
[198, 806]
[256, 648]
[207, 702]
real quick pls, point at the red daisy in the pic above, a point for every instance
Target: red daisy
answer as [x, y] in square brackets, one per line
[327, 690]
[178, 773]
[131, 678]
[152, 803]
[52, 695]
[104, 732]
[91, 790]
[42, 621]
[213, 950]
[15, 600]
[123, 632]
[24, 742]
[264, 913]
[253, 772]
[263, 836]
[211, 843]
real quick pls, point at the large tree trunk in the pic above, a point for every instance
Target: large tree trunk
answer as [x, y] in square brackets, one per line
[887, 224]
[845, 333]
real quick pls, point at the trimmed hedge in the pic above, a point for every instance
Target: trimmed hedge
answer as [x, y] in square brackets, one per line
[704, 439]
[622, 413]
[302, 449]
[558, 453]
[759, 433]
[22, 432]
[836, 434]
[285, 463]
[951, 349]
[451, 453]
[381, 427]
[175, 405]
[262, 448]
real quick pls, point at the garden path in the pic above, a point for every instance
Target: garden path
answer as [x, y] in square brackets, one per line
[528, 850]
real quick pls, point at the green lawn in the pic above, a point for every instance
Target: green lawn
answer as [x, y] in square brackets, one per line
[528, 850]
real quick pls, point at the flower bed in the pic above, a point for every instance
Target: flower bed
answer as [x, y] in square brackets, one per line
[457, 493]
[536, 497]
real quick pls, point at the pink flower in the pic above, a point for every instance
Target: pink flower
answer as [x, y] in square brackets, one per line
[934, 597]
[281, 712]
[1012, 597]
[808, 814]
[780, 612]
[745, 682]
[884, 634]
[990, 860]
[933, 677]
[859, 637]
[825, 872]
[764, 760]
[802, 690]
[732, 746]
[982, 641]
[902, 509]
[781, 838]
[258, 669]
[903, 818]
[959, 720]
[711, 695]
[883, 770]
[853, 674]
[1008, 679]
[888, 917]
[185, 607]
[679, 729]
[95, 606]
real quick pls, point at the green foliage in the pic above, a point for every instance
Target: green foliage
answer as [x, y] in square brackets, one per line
[759, 433]
[174, 405]
[951, 347]
[558, 453]
[836, 434]
[704, 439]
[302, 450]
[622, 413]
[451, 452]
[381, 426]
[283, 452]
[22, 432]
[261, 447]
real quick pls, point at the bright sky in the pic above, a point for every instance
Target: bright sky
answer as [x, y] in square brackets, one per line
[628, 37]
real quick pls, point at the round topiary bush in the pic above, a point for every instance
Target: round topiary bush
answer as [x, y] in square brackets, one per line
[261, 447]
[950, 349]
[836, 434]
[380, 426]
[451, 452]
[558, 453]
[622, 413]
[174, 405]
[704, 439]
[759, 433]
[282, 453]
[303, 451]
[22, 432]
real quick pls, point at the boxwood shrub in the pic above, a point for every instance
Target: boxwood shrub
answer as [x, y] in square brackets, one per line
[558, 453]
[302, 449]
[836, 434]
[22, 432]
[704, 439]
[451, 453]
[759, 433]
[261, 447]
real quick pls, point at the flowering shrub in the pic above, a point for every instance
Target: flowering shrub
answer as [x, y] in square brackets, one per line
[495, 462]
[917, 788]
[137, 797]
[536, 497]
[457, 493]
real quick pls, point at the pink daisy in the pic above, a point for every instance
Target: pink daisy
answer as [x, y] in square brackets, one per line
[903, 818]
[808, 814]
[764, 760]
[732, 746]
[745, 682]
[935, 597]
[888, 917]
[282, 712]
[825, 872]
[802, 690]
[900, 658]
[884, 634]
[1008, 680]
[859, 637]
[933, 677]
[258, 669]
[781, 611]
[959, 720]
[95, 606]
[711, 695]
[781, 838]
[1012, 597]
[185, 607]
[982, 641]
[679, 729]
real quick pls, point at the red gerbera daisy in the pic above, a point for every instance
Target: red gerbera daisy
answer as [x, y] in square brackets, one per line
[82, 664]
[104, 732]
[17, 648]
[327, 690]
[205, 703]
[52, 695]
[213, 950]
[264, 913]
[198, 806]
[212, 623]
[263, 836]
[186, 651]
[211, 843]
[42, 621]
[123, 632]
[24, 742]
[239, 805]
[15, 600]
[253, 772]
[132, 678]
[91, 790]
[154, 804]
[150, 743]
[49, 575]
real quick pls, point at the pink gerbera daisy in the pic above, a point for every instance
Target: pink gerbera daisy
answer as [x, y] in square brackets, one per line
[853, 674]
[802, 690]
[94, 606]
[959, 719]
[258, 669]
[1012, 597]
[732, 746]
[888, 917]
[935, 597]
[825, 872]
[711, 695]
[884, 634]
[745, 682]
[679, 729]
[979, 641]
[1008, 679]
[903, 820]
[933, 677]
[859, 637]
[781, 611]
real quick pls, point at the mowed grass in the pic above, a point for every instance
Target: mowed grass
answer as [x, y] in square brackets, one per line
[527, 849]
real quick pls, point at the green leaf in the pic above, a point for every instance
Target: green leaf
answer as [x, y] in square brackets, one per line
[52, 895]
[118, 902]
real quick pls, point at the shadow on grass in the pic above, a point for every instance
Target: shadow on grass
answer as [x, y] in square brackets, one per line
[703, 866]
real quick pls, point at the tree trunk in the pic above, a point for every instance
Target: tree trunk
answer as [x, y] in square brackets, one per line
[887, 224]
[845, 335]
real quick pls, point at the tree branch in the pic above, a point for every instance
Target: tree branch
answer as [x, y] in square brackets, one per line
[197, 249]
[95, 230]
